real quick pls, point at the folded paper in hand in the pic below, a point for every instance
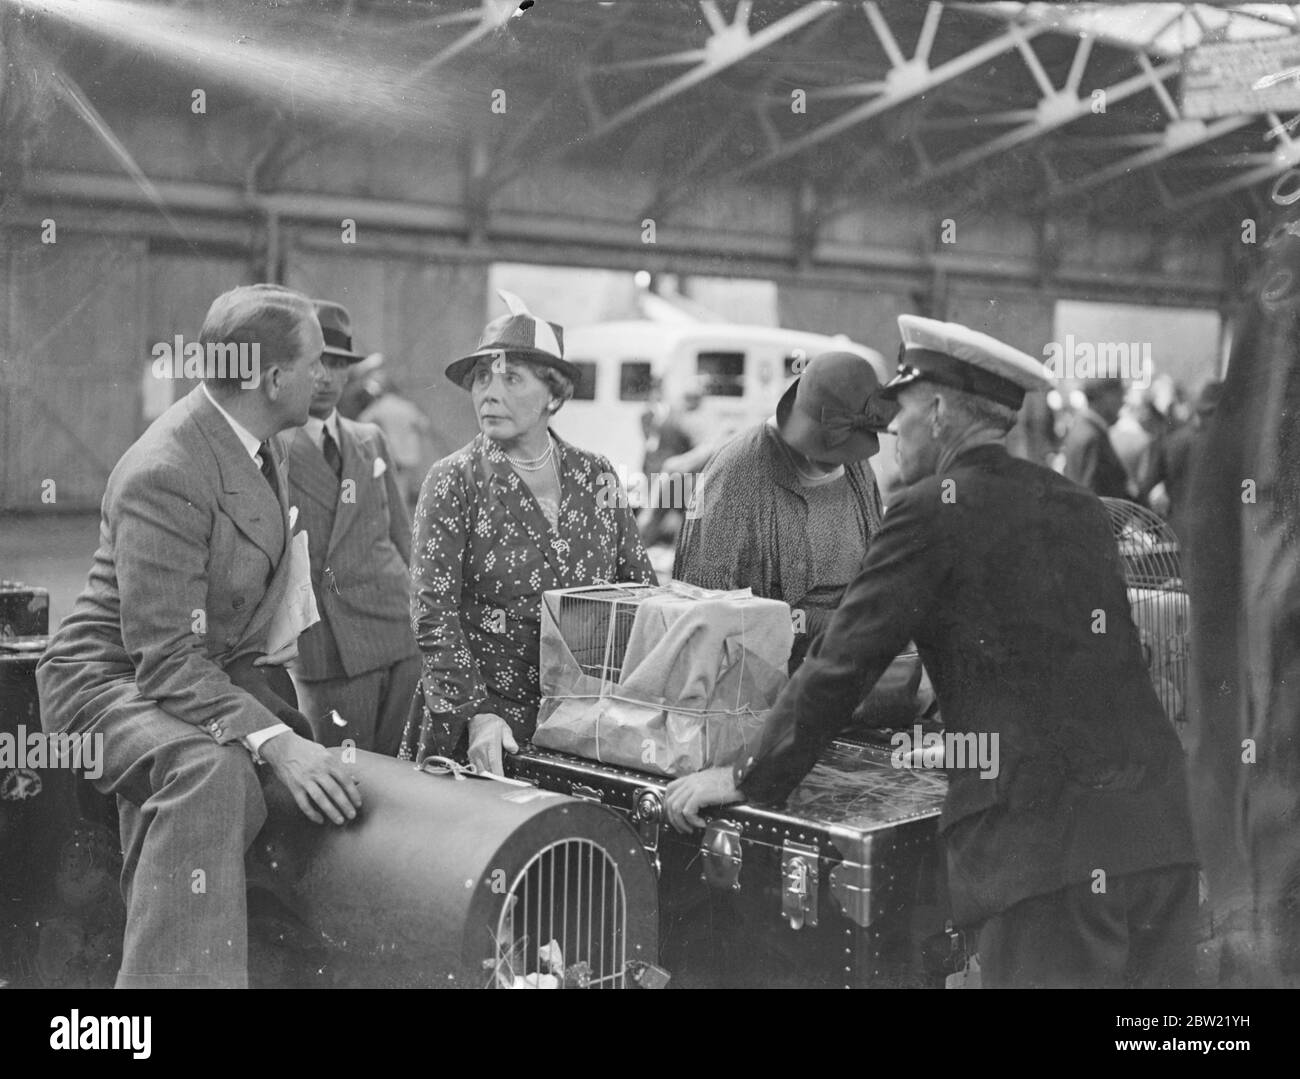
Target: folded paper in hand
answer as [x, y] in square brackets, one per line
[298, 610]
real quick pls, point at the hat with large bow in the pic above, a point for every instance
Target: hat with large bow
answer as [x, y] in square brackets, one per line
[833, 413]
[519, 335]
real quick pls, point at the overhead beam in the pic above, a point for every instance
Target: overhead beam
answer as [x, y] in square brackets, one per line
[491, 15]
[1054, 111]
[903, 83]
[1182, 136]
[729, 44]
[1286, 156]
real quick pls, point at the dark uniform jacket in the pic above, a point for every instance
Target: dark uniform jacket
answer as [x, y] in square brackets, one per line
[1007, 577]
[359, 540]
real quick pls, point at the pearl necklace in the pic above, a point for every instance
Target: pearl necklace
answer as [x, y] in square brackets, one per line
[537, 463]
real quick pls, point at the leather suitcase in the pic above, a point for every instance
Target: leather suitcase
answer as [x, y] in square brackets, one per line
[841, 888]
[24, 611]
[61, 914]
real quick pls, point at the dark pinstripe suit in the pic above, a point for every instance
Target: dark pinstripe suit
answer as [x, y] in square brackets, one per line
[360, 659]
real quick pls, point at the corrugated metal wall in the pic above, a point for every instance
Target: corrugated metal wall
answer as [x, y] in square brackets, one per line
[80, 316]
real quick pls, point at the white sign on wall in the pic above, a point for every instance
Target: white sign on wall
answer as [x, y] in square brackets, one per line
[1242, 78]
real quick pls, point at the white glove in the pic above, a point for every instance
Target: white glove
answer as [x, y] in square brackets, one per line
[488, 734]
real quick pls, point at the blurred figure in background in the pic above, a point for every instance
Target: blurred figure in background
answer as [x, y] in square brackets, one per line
[405, 428]
[1167, 483]
[361, 387]
[1090, 459]
[668, 434]
[1137, 432]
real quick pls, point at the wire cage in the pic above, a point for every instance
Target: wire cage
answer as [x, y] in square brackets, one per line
[1154, 575]
[564, 922]
[596, 624]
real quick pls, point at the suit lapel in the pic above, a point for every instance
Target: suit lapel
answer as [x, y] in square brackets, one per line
[248, 499]
[357, 467]
[311, 475]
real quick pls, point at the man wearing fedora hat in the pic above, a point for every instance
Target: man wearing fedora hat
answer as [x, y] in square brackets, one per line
[357, 667]
[789, 507]
[1071, 860]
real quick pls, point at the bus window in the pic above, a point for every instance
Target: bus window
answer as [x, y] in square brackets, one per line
[634, 380]
[723, 373]
[585, 388]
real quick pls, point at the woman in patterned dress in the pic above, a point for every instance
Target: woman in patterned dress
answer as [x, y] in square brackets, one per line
[516, 512]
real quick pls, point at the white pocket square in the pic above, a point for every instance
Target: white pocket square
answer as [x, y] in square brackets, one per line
[293, 516]
[381, 466]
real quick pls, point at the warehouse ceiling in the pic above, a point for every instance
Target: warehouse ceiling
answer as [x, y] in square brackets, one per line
[989, 104]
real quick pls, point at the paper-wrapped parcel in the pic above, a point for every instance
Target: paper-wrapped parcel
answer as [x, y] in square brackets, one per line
[665, 679]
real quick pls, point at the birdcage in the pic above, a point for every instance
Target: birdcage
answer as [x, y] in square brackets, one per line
[1154, 577]
[564, 922]
[663, 678]
[596, 625]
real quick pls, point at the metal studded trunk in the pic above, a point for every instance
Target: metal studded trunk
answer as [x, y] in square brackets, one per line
[841, 888]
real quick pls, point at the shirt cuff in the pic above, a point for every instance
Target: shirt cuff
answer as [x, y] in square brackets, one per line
[253, 742]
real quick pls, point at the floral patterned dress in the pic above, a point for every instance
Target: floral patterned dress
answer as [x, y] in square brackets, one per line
[482, 556]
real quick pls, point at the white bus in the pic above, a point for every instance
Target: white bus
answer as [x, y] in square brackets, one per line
[742, 370]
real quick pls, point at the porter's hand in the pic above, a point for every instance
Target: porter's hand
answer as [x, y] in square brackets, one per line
[488, 735]
[317, 779]
[687, 796]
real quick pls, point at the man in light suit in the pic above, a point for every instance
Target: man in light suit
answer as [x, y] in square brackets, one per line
[163, 655]
[360, 660]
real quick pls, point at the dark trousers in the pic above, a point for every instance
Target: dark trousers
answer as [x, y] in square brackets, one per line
[373, 705]
[1138, 934]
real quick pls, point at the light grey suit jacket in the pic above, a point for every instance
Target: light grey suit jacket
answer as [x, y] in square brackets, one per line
[188, 574]
[359, 538]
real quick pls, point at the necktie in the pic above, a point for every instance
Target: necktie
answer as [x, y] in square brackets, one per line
[268, 467]
[332, 456]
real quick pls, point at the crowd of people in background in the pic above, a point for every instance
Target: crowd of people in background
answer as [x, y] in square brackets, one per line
[1128, 442]
[1117, 439]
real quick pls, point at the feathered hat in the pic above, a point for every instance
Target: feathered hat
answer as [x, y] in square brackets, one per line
[519, 335]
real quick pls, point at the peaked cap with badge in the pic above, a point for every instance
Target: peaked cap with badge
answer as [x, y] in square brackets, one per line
[965, 359]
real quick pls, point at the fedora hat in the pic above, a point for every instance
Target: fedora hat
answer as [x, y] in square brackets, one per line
[833, 412]
[336, 328]
[519, 335]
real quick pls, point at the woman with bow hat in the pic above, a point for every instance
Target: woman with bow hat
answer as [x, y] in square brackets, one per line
[516, 512]
[788, 508]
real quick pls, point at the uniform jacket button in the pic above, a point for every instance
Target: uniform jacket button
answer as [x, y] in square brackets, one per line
[237, 602]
